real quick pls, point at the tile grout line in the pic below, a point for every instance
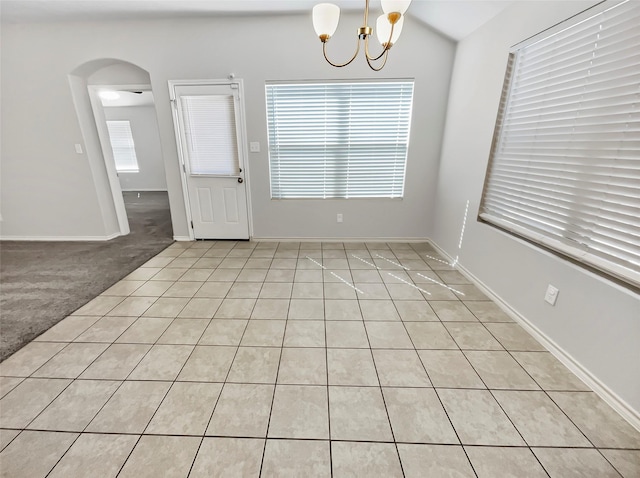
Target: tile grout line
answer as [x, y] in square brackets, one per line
[434, 388]
[204, 434]
[168, 389]
[473, 468]
[326, 366]
[487, 388]
[275, 388]
[384, 401]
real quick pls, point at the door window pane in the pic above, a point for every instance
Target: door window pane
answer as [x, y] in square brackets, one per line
[210, 134]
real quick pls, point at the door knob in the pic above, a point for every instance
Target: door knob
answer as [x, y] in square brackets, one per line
[240, 180]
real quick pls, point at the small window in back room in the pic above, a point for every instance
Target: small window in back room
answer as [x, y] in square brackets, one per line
[338, 139]
[124, 151]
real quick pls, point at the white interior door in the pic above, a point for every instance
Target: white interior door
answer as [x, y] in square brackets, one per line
[209, 125]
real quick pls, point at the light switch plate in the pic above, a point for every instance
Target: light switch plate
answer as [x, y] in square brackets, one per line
[78, 148]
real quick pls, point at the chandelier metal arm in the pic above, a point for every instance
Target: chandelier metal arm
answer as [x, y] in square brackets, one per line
[386, 47]
[324, 52]
[366, 13]
[384, 62]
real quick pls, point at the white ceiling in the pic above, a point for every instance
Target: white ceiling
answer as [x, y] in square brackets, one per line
[454, 18]
[457, 18]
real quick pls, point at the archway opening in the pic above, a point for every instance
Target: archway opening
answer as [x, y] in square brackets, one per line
[116, 111]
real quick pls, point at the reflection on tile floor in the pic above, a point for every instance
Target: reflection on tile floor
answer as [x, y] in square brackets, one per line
[300, 359]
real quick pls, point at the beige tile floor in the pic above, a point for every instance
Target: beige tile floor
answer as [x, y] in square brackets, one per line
[300, 359]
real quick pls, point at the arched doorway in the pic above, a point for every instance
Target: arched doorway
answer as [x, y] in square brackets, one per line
[116, 112]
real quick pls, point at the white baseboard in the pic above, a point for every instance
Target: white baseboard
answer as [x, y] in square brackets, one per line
[144, 190]
[341, 239]
[603, 391]
[60, 238]
[326, 239]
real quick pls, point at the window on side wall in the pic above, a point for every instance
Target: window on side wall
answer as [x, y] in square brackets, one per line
[564, 171]
[338, 139]
[124, 151]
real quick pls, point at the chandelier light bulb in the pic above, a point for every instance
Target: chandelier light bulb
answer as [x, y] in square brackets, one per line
[399, 6]
[383, 31]
[325, 20]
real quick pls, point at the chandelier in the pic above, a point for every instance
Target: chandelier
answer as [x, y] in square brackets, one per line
[388, 28]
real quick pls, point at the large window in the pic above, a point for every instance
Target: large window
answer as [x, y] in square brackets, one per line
[338, 140]
[565, 164]
[124, 151]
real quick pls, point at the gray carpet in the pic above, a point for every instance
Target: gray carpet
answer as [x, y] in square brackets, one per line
[43, 282]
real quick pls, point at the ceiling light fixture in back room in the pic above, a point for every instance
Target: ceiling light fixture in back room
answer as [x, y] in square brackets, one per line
[388, 28]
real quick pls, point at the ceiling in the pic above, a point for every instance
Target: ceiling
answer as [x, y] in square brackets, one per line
[454, 18]
[128, 98]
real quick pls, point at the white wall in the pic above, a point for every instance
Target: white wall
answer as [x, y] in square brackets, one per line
[37, 58]
[144, 129]
[46, 188]
[595, 322]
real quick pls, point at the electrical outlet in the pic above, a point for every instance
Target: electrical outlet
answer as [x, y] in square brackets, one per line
[339, 217]
[254, 147]
[551, 295]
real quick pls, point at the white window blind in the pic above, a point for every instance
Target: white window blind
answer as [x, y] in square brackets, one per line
[124, 151]
[338, 140]
[210, 134]
[565, 164]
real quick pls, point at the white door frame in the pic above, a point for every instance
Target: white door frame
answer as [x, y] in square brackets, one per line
[107, 152]
[243, 147]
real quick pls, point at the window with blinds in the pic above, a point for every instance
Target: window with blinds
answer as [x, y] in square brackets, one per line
[210, 134]
[338, 140]
[124, 151]
[564, 170]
